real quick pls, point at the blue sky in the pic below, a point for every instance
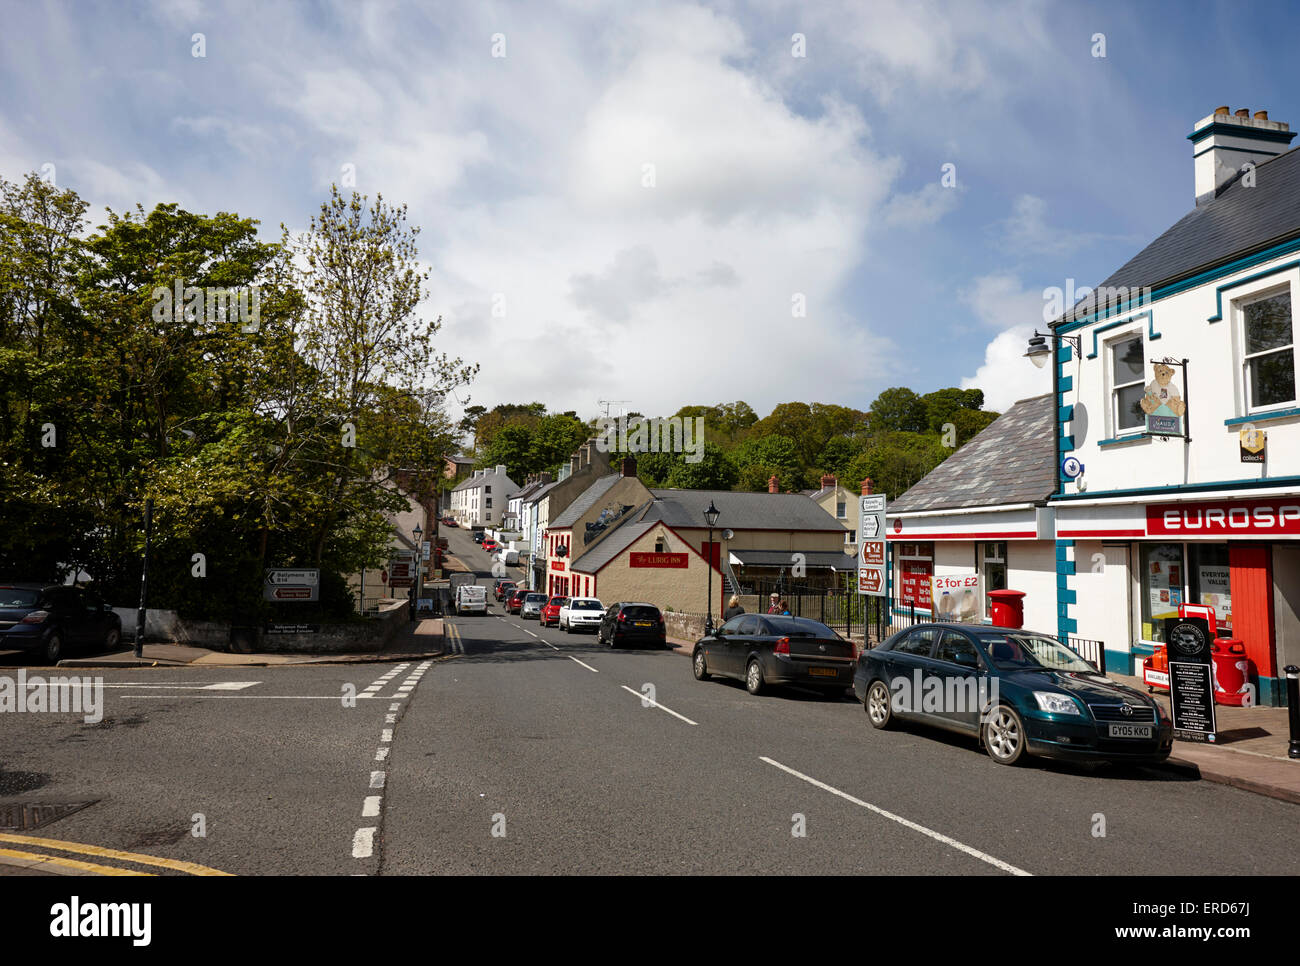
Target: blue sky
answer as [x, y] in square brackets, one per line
[776, 178]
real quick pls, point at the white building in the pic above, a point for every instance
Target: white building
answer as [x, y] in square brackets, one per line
[1200, 514]
[480, 499]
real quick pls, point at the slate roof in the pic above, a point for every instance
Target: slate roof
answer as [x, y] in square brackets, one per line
[741, 511]
[1240, 220]
[544, 489]
[1013, 460]
[585, 501]
[614, 544]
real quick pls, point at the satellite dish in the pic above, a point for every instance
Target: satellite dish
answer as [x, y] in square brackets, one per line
[727, 534]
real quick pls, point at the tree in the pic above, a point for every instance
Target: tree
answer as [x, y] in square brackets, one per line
[713, 471]
[899, 410]
[942, 405]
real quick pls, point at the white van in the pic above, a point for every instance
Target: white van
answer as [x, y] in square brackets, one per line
[509, 557]
[470, 599]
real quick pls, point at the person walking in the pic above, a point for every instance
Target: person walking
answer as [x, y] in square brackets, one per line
[733, 608]
[775, 606]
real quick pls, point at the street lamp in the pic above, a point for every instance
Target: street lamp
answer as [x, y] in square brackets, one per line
[711, 518]
[419, 569]
[1039, 351]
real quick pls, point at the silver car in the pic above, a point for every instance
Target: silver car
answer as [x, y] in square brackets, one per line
[532, 606]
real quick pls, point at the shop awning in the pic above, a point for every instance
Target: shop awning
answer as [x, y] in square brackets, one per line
[813, 559]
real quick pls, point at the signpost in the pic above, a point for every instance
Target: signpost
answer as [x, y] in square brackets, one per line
[871, 546]
[285, 584]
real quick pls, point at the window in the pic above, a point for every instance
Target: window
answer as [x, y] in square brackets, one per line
[919, 642]
[841, 509]
[1208, 573]
[1162, 587]
[953, 644]
[489, 503]
[1270, 359]
[487, 489]
[1128, 382]
[993, 567]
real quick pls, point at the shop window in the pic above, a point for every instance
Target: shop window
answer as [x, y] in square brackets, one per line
[1162, 587]
[1128, 381]
[1209, 580]
[915, 568]
[993, 568]
[1269, 355]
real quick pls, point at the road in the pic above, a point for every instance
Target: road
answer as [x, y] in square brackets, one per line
[529, 750]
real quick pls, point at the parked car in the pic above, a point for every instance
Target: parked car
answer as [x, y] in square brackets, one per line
[478, 536]
[490, 545]
[1031, 695]
[635, 623]
[449, 522]
[581, 613]
[470, 599]
[503, 589]
[532, 606]
[50, 620]
[551, 612]
[767, 649]
[516, 600]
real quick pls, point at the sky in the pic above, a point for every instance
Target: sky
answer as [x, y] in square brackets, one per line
[668, 204]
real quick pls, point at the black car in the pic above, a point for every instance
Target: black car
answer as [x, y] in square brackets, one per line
[632, 623]
[478, 536]
[1021, 693]
[766, 649]
[48, 620]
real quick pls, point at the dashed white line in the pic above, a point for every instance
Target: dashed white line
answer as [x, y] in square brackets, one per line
[393, 707]
[363, 843]
[937, 836]
[386, 734]
[656, 704]
[587, 666]
[370, 808]
[390, 719]
[381, 754]
[377, 779]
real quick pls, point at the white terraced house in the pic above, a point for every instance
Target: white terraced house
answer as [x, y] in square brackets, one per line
[480, 500]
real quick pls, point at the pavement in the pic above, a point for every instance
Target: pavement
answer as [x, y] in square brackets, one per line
[1250, 754]
[416, 640]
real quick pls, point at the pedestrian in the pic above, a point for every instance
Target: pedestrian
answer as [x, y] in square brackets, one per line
[733, 608]
[785, 609]
[775, 606]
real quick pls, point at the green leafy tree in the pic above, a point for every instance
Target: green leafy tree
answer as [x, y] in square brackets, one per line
[899, 410]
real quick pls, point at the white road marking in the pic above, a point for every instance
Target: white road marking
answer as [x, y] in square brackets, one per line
[363, 843]
[937, 836]
[381, 754]
[386, 734]
[244, 697]
[377, 779]
[587, 666]
[406, 688]
[390, 719]
[218, 686]
[656, 704]
[370, 808]
[393, 707]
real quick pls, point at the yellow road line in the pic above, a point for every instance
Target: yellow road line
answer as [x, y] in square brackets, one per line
[176, 865]
[63, 863]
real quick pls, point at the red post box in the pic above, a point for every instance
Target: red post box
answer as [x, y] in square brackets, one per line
[1232, 672]
[1008, 608]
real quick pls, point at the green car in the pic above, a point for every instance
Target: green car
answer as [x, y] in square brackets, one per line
[1020, 692]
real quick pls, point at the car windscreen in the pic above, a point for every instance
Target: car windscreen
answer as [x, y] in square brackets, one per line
[586, 605]
[556, 602]
[18, 597]
[535, 599]
[798, 627]
[1021, 651]
[641, 613]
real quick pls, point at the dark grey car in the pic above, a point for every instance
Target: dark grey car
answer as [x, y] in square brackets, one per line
[532, 606]
[51, 619]
[762, 650]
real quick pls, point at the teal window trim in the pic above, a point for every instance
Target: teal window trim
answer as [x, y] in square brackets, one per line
[1151, 326]
[1263, 417]
[1121, 440]
[1218, 292]
[1204, 277]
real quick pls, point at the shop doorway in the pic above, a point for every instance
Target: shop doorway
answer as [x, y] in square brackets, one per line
[1286, 602]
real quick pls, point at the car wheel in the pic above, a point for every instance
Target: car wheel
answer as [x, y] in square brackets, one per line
[113, 639]
[879, 710]
[53, 649]
[1004, 735]
[699, 666]
[754, 677]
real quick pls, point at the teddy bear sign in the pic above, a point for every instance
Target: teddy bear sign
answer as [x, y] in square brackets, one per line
[1163, 403]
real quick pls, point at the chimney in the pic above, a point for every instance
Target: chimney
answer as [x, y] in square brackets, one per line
[585, 452]
[628, 466]
[573, 464]
[501, 469]
[866, 486]
[772, 485]
[545, 477]
[1223, 143]
[828, 481]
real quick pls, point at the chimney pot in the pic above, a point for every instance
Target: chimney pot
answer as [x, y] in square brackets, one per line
[1220, 149]
[1223, 110]
[866, 486]
[1243, 112]
[772, 485]
[1261, 115]
[828, 481]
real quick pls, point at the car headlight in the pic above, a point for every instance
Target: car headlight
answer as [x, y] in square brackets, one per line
[1056, 703]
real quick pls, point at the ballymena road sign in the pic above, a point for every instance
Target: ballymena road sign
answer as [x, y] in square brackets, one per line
[284, 584]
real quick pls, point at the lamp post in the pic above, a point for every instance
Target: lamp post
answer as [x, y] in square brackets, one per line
[1039, 351]
[419, 568]
[711, 518]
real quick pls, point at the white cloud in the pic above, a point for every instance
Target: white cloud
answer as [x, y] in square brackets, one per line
[999, 300]
[1006, 375]
[920, 208]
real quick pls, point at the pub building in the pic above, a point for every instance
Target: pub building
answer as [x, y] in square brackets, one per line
[1177, 450]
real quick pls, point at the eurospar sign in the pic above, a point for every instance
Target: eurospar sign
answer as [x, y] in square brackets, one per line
[1240, 518]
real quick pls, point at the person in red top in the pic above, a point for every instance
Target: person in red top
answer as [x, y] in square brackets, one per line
[775, 607]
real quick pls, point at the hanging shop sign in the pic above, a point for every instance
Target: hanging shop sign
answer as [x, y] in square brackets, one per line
[1254, 445]
[1165, 402]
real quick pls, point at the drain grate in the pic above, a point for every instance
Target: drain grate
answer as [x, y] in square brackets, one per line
[23, 817]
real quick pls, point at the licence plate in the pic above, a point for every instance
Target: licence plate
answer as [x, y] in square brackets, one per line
[1131, 731]
[823, 672]
[642, 623]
